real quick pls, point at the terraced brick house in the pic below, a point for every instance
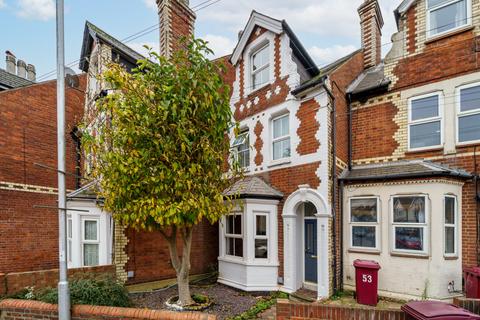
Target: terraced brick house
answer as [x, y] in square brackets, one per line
[411, 192]
[292, 144]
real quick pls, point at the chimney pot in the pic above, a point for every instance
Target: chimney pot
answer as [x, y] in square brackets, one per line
[21, 69]
[11, 62]
[31, 73]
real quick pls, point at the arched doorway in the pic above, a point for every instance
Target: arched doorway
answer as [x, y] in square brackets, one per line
[305, 228]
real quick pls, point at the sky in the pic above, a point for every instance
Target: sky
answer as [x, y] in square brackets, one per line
[328, 29]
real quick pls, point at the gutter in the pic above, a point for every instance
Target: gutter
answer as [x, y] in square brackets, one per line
[407, 175]
[311, 84]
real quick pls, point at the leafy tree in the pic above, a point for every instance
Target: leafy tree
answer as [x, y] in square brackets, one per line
[159, 156]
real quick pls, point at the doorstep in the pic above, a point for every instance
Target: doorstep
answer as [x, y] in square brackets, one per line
[304, 295]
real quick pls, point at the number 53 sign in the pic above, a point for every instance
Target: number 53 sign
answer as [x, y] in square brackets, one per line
[366, 278]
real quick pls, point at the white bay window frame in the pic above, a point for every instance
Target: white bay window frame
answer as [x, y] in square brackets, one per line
[262, 69]
[239, 153]
[468, 113]
[90, 242]
[261, 237]
[453, 226]
[424, 226]
[429, 120]
[235, 236]
[436, 6]
[376, 225]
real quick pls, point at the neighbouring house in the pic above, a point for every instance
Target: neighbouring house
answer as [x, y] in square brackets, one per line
[411, 193]
[16, 74]
[93, 236]
[293, 144]
[28, 177]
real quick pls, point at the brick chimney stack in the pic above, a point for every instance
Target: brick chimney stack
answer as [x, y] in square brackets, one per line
[371, 22]
[11, 62]
[177, 20]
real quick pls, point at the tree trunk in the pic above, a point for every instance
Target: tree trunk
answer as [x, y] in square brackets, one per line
[181, 266]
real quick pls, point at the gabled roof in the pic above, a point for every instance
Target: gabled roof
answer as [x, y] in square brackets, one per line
[87, 192]
[12, 81]
[402, 170]
[252, 187]
[324, 73]
[369, 80]
[277, 27]
[93, 33]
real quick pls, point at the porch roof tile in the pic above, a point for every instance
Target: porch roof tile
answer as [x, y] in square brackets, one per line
[252, 187]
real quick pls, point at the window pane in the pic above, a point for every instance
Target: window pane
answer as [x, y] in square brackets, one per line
[449, 240]
[230, 224]
[469, 128]
[280, 127]
[470, 99]
[238, 247]
[363, 237]
[69, 228]
[448, 17]
[90, 254]
[69, 250]
[364, 210]
[281, 149]
[285, 126]
[286, 148]
[261, 248]
[409, 210]
[407, 238]
[434, 3]
[230, 250]
[310, 209]
[425, 135]
[260, 58]
[237, 224]
[425, 108]
[261, 225]
[449, 210]
[260, 78]
[244, 158]
[91, 230]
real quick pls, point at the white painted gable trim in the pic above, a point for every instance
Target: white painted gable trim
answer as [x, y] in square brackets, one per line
[256, 19]
[404, 6]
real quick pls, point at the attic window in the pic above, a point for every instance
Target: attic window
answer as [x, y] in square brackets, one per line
[260, 67]
[447, 15]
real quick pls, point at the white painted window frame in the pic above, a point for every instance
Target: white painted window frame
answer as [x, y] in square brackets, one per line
[440, 118]
[376, 224]
[454, 225]
[268, 38]
[84, 241]
[70, 239]
[265, 46]
[429, 30]
[461, 114]
[260, 237]
[226, 235]
[235, 152]
[282, 138]
[425, 226]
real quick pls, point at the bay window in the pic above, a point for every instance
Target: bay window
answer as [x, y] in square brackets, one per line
[90, 242]
[260, 67]
[281, 137]
[468, 111]
[261, 236]
[409, 224]
[364, 219]
[450, 225]
[425, 121]
[447, 15]
[234, 235]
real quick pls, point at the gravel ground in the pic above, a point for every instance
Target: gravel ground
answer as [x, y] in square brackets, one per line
[228, 302]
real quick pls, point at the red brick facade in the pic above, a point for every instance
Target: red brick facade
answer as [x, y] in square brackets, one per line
[308, 127]
[28, 127]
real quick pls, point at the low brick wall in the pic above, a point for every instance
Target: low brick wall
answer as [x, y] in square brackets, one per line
[11, 283]
[287, 310]
[472, 305]
[26, 309]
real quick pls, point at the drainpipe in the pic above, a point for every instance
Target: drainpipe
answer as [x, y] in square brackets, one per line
[334, 183]
[476, 181]
[350, 137]
[342, 186]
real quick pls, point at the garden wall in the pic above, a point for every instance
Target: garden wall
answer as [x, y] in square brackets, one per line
[14, 282]
[472, 305]
[27, 309]
[287, 310]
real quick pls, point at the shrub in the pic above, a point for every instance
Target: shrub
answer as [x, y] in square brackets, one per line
[102, 290]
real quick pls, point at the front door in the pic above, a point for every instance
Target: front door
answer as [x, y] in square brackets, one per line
[311, 250]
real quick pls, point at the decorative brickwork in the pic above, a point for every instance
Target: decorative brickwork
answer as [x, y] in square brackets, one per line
[258, 143]
[371, 22]
[120, 254]
[308, 127]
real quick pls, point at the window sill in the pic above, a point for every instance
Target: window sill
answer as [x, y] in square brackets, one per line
[364, 251]
[259, 89]
[450, 257]
[427, 149]
[448, 34]
[256, 263]
[279, 162]
[468, 144]
[410, 255]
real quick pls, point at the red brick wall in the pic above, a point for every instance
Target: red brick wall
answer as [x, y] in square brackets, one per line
[287, 310]
[27, 309]
[149, 256]
[16, 281]
[308, 127]
[29, 238]
[258, 143]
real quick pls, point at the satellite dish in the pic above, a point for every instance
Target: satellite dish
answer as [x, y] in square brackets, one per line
[71, 78]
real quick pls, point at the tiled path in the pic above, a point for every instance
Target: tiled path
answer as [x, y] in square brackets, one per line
[269, 314]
